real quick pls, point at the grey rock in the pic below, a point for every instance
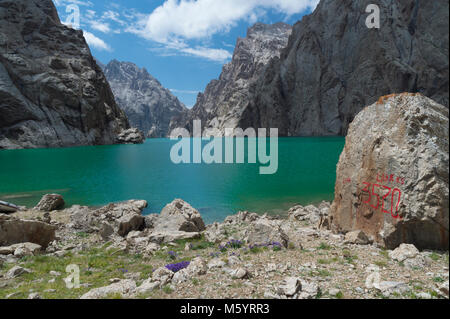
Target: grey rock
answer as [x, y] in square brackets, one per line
[333, 65]
[34, 295]
[265, 231]
[162, 275]
[50, 202]
[124, 217]
[357, 237]
[239, 273]
[224, 100]
[387, 288]
[16, 271]
[196, 267]
[26, 249]
[131, 136]
[290, 286]
[159, 237]
[403, 252]
[179, 216]
[14, 231]
[148, 105]
[129, 223]
[52, 92]
[309, 213]
[126, 288]
[402, 143]
[216, 263]
[147, 286]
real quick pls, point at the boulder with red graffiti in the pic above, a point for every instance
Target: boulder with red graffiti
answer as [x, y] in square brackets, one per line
[393, 175]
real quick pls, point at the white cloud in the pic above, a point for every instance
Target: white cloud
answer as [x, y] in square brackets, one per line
[100, 26]
[176, 22]
[114, 16]
[218, 55]
[202, 18]
[96, 42]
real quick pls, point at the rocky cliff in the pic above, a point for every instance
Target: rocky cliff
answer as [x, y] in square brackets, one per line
[392, 177]
[52, 93]
[148, 105]
[334, 65]
[224, 100]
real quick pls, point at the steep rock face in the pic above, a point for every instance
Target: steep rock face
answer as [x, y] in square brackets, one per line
[334, 65]
[52, 93]
[148, 105]
[223, 101]
[393, 175]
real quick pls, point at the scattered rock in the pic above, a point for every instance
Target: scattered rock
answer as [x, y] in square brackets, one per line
[50, 202]
[265, 231]
[403, 252]
[310, 213]
[179, 216]
[239, 273]
[14, 231]
[162, 275]
[216, 263]
[196, 267]
[26, 249]
[131, 136]
[16, 271]
[357, 237]
[147, 286]
[387, 288]
[290, 286]
[126, 288]
[171, 236]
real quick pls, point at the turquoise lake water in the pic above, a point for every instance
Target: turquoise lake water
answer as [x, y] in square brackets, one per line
[97, 175]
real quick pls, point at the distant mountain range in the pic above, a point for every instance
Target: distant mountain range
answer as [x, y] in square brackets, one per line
[148, 105]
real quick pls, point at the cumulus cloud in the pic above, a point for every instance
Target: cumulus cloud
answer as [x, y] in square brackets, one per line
[176, 22]
[100, 26]
[96, 42]
[202, 18]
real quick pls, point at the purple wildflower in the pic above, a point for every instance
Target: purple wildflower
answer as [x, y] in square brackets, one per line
[178, 266]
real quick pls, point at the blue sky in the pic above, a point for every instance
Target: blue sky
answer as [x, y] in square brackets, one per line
[183, 43]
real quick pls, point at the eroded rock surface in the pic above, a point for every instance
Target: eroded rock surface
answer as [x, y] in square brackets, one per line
[52, 92]
[392, 177]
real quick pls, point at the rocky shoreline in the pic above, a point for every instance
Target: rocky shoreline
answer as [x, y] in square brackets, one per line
[122, 254]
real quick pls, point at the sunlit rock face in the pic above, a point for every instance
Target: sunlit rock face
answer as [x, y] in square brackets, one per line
[392, 177]
[52, 93]
[148, 105]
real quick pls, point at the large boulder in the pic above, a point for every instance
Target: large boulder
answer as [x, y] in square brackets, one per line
[125, 288]
[131, 136]
[15, 231]
[50, 202]
[124, 217]
[393, 175]
[266, 232]
[179, 216]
